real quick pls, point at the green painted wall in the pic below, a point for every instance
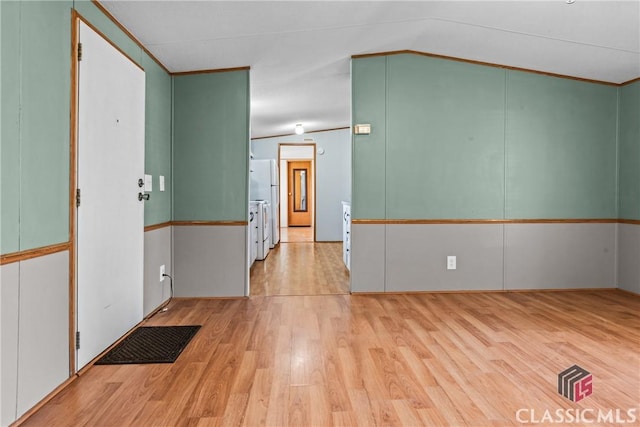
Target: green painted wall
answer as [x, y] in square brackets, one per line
[211, 140]
[35, 143]
[10, 132]
[452, 140]
[44, 125]
[157, 140]
[561, 148]
[36, 40]
[629, 152]
[445, 139]
[368, 158]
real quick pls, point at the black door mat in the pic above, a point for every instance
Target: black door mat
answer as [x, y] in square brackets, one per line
[150, 344]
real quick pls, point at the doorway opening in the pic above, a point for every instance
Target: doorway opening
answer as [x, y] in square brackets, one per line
[299, 264]
[297, 192]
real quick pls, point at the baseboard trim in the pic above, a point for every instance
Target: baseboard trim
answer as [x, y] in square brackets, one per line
[487, 221]
[43, 402]
[625, 291]
[158, 308]
[208, 298]
[488, 291]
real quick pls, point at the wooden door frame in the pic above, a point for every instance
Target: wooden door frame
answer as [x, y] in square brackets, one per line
[73, 142]
[313, 174]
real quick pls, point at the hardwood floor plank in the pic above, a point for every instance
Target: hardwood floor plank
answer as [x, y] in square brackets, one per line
[277, 411]
[209, 422]
[121, 409]
[299, 406]
[432, 417]
[417, 359]
[343, 419]
[352, 377]
[256, 413]
[334, 380]
[361, 404]
[235, 409]
[170, 399]
[446, 407]
[384, 413]
[296, 234]
[407, 413]
[301, 269]
[246, 373]
[320, 406]
[214, 386]
[419, 371]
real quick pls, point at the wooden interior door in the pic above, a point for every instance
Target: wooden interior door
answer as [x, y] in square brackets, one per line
[110, 224]
[300, 193]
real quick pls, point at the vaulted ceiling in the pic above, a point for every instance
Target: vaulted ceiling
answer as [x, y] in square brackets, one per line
[299, 51]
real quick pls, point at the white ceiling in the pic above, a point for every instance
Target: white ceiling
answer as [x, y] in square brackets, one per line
[299, 51]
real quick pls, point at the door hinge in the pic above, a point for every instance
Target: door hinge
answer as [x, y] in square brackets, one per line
[78, 198]
[77, 340]
[79, 52]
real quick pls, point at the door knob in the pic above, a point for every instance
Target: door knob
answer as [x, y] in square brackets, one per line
[142, 197]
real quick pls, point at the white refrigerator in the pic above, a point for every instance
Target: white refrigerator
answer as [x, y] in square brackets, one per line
[265, 185]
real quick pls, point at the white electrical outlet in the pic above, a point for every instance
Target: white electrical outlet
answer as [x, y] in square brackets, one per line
[162, 273]
[451, 262]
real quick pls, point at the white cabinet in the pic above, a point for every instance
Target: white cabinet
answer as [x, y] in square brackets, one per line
[346, 234]
[253, 232]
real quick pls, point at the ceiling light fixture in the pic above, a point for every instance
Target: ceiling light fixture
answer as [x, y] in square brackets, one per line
[571, 1]
[299, 129]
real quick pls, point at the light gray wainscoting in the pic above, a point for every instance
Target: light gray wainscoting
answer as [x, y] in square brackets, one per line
[157, 252]
[629, 257]
[209, 260]
[10, 280]
[416, 257]
[367, 257]
[560, 256]
[35, 331]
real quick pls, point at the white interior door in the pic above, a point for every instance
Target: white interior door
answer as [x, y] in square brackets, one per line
[110, 218]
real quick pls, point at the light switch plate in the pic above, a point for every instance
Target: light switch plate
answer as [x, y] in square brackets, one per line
[451, 262]
[148, 182]
[161, 182]
[362, 129]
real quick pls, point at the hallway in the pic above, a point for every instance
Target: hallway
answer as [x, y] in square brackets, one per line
[301, 269]
[296, 234]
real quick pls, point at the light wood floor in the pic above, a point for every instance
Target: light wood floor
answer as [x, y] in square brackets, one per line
[296, 234]
[301, 269]
[418, 359]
